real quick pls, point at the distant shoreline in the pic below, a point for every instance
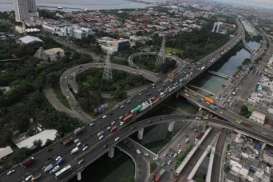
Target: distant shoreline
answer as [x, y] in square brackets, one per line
[106, 5]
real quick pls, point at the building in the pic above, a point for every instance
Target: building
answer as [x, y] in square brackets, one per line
[258, 117]
[43, 136]
[26, 40]
[5, 151]
[25, 10]
[50, 55]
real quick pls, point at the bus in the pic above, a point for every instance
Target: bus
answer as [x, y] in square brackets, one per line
[63, 171]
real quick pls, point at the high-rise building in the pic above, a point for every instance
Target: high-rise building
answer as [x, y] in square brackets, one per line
[25, 10]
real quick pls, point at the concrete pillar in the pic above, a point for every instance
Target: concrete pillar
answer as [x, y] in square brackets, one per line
[111, 152]
[140, 133]
[79, 176]
[171, 126]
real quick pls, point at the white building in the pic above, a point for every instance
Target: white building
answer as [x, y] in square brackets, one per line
[43, 136]
[50, 55]
[5, 152]
[258, 117]
[25, 10]
[29, 40]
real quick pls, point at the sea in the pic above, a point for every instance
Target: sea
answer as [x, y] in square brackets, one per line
[7, 5]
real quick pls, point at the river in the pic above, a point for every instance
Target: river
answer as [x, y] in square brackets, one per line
[6, 5]
[229, 66]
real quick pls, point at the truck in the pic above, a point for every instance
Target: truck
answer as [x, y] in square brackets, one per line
[158, 175]
[127, 118]
[78, 131]
[63, 171]
[29, 162]
[209, 100]
[145, 105]
[136, 109]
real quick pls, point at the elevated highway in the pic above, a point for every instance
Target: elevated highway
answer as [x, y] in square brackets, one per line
[96, 149]
[233, 120]
[162, 90]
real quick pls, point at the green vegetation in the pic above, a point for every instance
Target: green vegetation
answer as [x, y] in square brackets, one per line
[245, 111]
[173, 51]
[24, 106]
[92, 85]
[147, 62]
[200, 178]
[195, 44]
[182, 156]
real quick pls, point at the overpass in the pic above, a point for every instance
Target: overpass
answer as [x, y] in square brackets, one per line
[162, 90]
[96, 150]
[233, 119]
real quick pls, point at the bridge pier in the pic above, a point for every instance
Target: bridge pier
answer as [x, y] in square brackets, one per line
[79, 176]
[140, 133]
[171, 126]
[111, 152]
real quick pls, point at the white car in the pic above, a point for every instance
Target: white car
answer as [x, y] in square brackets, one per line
[101, 137]
[104, 116]
[10, 172]
[100, 133]
[117, 139]
[121, 123]
[28, 178]
[138, 151]
[85, 148]
[91, 124]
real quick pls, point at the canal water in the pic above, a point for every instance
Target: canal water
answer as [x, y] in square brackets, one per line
[121, 168]
[228, 66]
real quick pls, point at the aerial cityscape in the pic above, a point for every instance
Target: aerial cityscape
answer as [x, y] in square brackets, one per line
[136, 91]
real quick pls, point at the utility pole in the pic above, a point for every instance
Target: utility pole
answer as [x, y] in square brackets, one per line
[107, 72]
[162, 53]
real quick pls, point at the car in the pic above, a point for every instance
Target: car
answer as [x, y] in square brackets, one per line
[48, 168]
[80, 161]
[10, 172]
[101, 137]
[58, 158]
[113, 122]
[76, 140]
[100, 133]
[79, 144]
[117, 139]
[138, 151]
[55, 169]
[146, 154]
[85, 148]
[91, 124]
[121, 123]
[74, 150]
[28, 178]
[114, 129]
[104, 116]
[108, 128]
[121, 107]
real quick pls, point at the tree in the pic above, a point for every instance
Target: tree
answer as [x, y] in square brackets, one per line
[37, 144]
[245, 112]
[120, 94]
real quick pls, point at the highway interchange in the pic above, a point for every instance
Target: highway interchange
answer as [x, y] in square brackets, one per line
[89, 136]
